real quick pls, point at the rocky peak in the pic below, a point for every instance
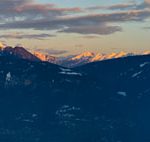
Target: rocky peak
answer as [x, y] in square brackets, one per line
[1, 45]
[84, 55]
[44, 57]
[19, 52]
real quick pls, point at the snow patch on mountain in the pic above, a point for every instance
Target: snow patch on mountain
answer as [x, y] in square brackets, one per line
[69, 72]
[65, 69]
[145, 63]
[67, 115]
[83, 55]
[124, 94]
[136, 74]
[8, 76]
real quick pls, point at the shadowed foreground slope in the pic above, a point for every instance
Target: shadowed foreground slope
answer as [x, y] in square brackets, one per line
[104, 101]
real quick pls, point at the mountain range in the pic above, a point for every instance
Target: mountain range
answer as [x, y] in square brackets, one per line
[88, 57]
[102, 101]
[68, 61]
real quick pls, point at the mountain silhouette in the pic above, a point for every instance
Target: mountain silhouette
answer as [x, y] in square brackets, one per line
[18, 52]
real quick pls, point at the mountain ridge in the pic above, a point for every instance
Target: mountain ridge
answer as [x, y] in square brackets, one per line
[68, 61]
[18, 52]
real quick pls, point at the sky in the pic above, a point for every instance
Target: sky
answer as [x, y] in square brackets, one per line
[66, 27]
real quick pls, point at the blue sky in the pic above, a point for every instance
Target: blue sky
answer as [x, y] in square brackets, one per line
[75, 26]
[85, 3]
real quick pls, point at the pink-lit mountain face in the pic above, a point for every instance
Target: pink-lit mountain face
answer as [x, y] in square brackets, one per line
[83, 58]
[88, 57]
[1, 45]
[45, 57]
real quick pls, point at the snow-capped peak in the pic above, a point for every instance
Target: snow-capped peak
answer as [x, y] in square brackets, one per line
[100, 57]
[44, 57]
[1, 45]
[146, 53]
[97, 57]
[87, 54]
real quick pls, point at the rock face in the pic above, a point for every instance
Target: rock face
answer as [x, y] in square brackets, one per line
[97, 57]
[85, 55]
[105, 101]
[44, 57]
[1, 45]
